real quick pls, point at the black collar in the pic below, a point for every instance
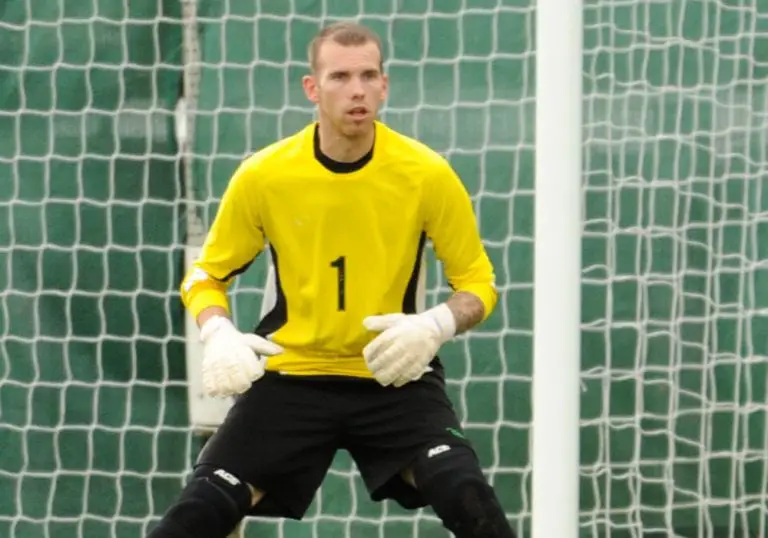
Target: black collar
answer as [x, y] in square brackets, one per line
[336, 166]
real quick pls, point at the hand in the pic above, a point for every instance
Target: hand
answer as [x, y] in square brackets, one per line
[407, 343]
[231, 359]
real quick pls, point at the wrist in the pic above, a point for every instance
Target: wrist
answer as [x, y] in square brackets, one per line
[444, 320]
[213, 324]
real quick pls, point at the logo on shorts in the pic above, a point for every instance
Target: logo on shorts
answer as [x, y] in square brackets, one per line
[439, 449]
[455, 433]
[227, 477]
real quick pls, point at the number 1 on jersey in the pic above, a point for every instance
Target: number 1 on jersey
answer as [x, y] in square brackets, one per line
[339, 265]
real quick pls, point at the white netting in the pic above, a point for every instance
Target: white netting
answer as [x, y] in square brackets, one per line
[93, 426]
[94, 436]
[675, 267]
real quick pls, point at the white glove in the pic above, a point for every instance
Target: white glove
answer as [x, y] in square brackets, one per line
[231, 359]
[408, 343]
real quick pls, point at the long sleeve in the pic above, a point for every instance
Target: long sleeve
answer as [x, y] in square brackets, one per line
[451, 225]
[233, 242]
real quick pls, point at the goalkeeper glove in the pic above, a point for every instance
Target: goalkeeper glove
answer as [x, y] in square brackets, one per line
[231, 359]
[407, 343]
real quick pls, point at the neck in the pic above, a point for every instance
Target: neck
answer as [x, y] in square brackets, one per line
[341, 148]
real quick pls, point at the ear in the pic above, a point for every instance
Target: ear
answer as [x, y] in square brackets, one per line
[384, 86]
[310, 88]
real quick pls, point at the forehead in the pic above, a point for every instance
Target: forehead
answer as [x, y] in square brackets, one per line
[336, 57]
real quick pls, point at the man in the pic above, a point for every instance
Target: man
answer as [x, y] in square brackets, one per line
[343, 360]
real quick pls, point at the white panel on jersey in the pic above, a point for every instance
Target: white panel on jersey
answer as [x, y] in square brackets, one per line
[421, 286]
[270, 290]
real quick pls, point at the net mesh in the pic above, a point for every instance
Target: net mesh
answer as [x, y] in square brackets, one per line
[94, 431]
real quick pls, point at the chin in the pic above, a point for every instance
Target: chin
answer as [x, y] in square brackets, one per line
[357, 128]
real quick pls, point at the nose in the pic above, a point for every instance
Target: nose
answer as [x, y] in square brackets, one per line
[357, 88]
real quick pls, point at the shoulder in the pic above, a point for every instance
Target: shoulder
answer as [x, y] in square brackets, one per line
[401, 147]
[422, 164]
[274, 158]
[415, 158]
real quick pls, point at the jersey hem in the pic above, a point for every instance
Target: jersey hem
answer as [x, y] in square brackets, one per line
[289, 363]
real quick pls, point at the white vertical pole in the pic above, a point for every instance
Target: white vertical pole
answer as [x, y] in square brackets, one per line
[557, 284]
[205, 413]
[188, 108]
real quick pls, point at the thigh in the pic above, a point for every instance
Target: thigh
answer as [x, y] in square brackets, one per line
[280, 437]
[391, 427]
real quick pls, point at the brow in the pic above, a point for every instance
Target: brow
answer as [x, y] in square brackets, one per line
[367, 71]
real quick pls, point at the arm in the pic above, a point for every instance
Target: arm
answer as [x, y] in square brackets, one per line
[408, 343]
[232, 243]
[231, 359]
[211, 312]
[451, 224]
[467, 309]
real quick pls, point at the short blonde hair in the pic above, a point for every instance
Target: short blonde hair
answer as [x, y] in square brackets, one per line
[348, 34]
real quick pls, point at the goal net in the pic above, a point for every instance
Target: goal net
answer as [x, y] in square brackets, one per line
[95, 439]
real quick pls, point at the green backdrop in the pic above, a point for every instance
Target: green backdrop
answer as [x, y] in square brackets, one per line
[93, 435]
[93, 432]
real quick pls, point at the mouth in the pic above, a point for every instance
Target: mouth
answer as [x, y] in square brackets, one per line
[358, 112]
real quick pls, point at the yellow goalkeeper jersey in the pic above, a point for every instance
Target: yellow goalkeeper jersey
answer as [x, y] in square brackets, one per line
[346, 241]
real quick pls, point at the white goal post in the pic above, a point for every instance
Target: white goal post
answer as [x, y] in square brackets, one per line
[557, 270]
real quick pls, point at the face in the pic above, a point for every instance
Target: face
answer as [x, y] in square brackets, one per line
[347, 86]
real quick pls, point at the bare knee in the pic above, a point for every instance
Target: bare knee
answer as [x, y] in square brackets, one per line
[256, 495]
[407, 475]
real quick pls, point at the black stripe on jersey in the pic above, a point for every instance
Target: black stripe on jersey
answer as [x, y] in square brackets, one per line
[338, 167]
[409, 299]
[278, 316]
[238, 271]
[437, 375]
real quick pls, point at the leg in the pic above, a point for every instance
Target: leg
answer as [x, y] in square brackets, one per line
[408, 446]
[256, 495]
[211, 504]
[267, 459]
[453, 484]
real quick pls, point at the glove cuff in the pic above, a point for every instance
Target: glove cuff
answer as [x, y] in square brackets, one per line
[444, 319]
[212, 325]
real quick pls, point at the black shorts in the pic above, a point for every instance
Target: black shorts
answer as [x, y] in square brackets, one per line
[281, 436]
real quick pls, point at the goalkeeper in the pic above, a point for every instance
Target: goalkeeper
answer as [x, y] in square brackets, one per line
[344, 360]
